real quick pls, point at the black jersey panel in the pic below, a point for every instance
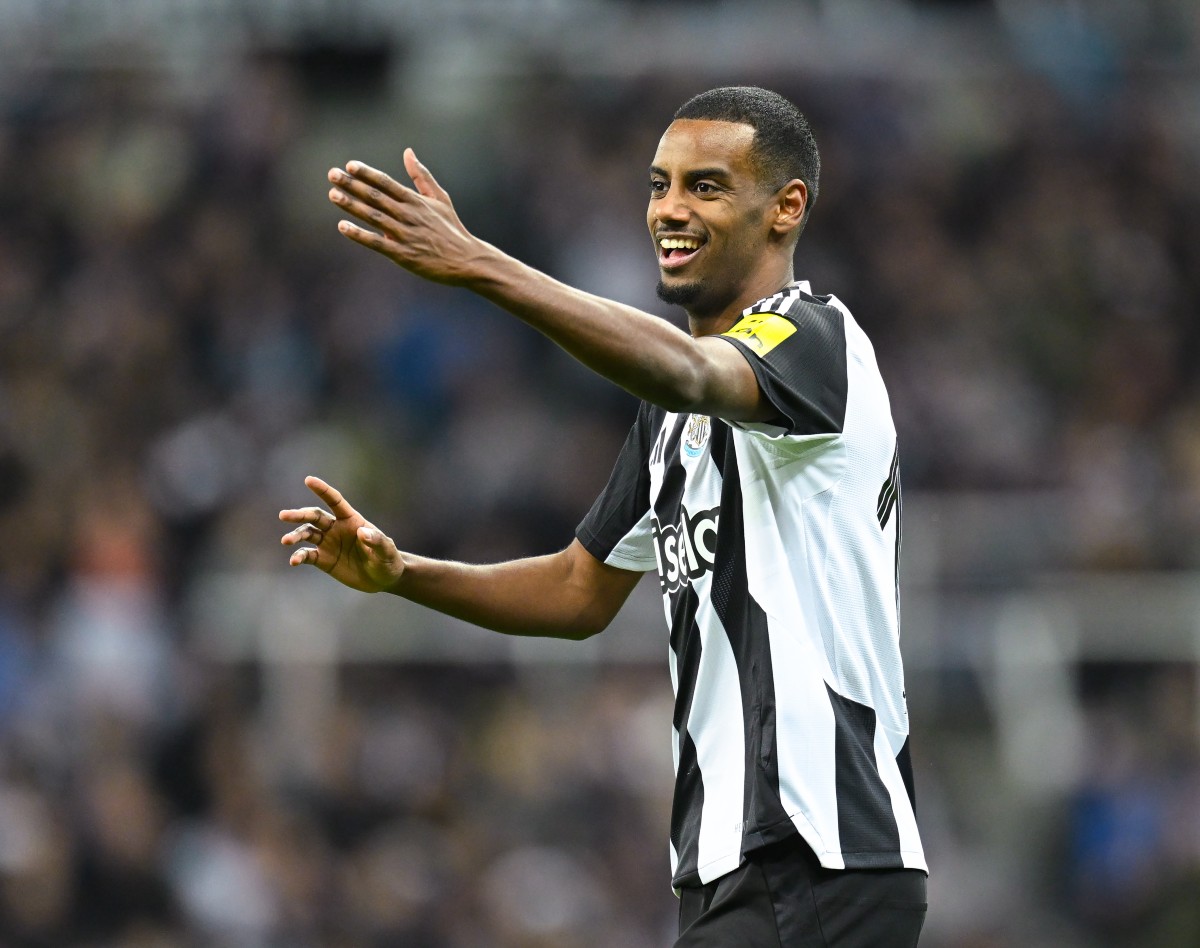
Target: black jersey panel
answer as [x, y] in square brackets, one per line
[687, 805]
[867, 826]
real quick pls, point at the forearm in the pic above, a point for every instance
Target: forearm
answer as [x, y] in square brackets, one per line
[646, 356]
[643, 354]
[538, 596]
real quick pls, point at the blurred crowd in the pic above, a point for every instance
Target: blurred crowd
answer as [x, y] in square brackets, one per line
[185, 337]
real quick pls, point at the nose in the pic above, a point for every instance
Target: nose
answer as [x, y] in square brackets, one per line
[670, 207]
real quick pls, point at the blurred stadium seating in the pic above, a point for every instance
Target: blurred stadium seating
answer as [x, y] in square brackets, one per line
[199, 747]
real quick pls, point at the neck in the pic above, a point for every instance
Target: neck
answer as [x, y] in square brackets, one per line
[722, 320]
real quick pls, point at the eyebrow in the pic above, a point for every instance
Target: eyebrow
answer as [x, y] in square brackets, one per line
[695, 175]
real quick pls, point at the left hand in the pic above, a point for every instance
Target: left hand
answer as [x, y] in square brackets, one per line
[417, 229]
[344, 543]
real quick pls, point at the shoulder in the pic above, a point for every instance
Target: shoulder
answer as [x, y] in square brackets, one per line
[796, 343]
[793, 320]
[793, 311]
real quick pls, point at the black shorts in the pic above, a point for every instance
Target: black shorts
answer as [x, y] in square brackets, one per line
[781, 897]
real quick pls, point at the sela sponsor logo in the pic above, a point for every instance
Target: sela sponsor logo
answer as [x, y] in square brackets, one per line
[687, 549]
[696, 436]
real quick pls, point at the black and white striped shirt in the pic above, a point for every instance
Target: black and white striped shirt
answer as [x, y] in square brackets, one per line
[776, 548]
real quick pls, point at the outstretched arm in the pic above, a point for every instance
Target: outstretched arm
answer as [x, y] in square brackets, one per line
[569, 594]
[420, 230]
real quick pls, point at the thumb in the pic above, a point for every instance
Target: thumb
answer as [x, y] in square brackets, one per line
[425, 182]
[381, 560]
[372, 538]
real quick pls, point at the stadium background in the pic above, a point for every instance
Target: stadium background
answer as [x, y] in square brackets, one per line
[199, 747]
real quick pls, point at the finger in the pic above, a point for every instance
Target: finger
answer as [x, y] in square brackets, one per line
[332, 496]
[423, 179]
[384, 182]
[305, 534]
[385, 214]
[315, 515]
[300, 557]
[368, 238]
[371, 194]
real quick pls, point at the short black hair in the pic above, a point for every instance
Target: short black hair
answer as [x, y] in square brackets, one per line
[784, 147]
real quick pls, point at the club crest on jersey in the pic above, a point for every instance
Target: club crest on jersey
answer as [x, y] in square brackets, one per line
[687, 549]
[696, 436]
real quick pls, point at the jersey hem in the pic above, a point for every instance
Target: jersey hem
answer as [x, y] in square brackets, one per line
[828, 858]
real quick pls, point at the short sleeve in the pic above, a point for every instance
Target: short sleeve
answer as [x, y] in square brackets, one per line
[617, 530]
[799, 358]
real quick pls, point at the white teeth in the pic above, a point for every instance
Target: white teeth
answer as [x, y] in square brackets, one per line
[678, 243]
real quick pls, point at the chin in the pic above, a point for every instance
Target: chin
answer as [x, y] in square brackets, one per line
[679, 294]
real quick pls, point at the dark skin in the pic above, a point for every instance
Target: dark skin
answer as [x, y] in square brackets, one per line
[738, 237]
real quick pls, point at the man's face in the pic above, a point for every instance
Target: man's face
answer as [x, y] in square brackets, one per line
[708, 214]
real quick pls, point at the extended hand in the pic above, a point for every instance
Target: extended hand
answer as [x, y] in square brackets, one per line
[345, 545]
[418, 229]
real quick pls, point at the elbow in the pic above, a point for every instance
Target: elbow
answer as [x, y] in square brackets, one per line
[686, 393]
[585, 627]
[677, 404]
[592, 593]
[591, 619]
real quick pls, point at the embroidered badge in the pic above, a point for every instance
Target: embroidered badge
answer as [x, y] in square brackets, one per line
[696, 436]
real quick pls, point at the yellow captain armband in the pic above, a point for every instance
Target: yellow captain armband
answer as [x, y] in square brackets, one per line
[762, 332]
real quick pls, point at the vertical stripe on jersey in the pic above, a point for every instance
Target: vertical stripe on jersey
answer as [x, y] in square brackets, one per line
[867, 827]
[889, 494]
[888, 760]
[688, 801]
[685, 649]
[904, 762]
[745, 623]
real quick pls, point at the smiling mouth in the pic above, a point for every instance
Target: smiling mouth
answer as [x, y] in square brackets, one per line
[675, 251]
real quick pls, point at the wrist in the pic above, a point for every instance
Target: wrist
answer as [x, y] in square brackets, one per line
[484, 269]
[403, 575]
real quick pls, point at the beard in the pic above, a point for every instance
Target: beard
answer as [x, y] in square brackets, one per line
[681, 294]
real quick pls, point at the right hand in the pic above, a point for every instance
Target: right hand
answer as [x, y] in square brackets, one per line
[417, 229]
[345, 545]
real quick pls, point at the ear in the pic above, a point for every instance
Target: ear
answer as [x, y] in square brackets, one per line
[790, 202]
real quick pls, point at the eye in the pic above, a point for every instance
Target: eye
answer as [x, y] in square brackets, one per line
[705, 187]
[657, 186]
